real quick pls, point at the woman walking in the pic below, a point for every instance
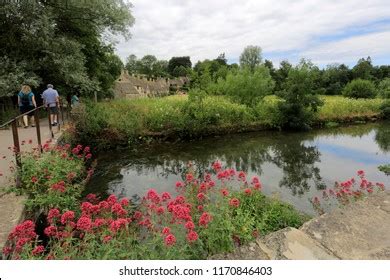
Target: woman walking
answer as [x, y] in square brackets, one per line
[26, 101]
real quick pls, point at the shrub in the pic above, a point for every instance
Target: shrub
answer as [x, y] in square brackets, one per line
[385, 109]
[384, 88]
[246, 86]
[360, 89]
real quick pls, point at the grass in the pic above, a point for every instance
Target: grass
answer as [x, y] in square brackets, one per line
[126, 121]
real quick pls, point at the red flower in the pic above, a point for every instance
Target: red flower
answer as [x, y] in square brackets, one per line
[235, 202]
[360, 173]
[201, 196]
[124, 202]
[67, 217]
[99, 222]
[38, 250]
[107, 238]
[189, 225]
[179, 184]
[160, 210]
[53, 213]
[153, 196]
[34, 179]
[137, 215]
[204, 219]
[200, 208]
[224, 192]
[165, 196]
[116, 208]
[189, 177]
[50, 231]
[217, 166]
[91, 197]
[88, 156]
[166, 230]
[170, 240]
[112, 199]
[192, 236]
[248, 191]
[87, 150]
[84, 223]
[241, 175]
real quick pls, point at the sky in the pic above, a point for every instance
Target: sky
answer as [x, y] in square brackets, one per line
[327, 31]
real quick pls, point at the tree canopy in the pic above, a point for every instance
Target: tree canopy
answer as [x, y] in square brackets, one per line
[65, 43]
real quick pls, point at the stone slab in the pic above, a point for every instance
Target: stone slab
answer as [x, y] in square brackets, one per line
[359, 231]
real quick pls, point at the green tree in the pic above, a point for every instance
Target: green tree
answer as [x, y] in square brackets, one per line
[300, 100]
[131, 64]
[281, 74]
[360, 88]
[174, 62]
[246, 86]
[363, 69]
[334, 78]
[384, 88]
[250, 57]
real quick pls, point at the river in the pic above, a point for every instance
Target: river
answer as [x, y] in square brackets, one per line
[292, 166]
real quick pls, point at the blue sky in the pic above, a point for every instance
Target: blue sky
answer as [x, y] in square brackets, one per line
[327, 31]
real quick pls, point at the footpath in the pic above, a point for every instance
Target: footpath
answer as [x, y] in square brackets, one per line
[359, 231]
[12, 206]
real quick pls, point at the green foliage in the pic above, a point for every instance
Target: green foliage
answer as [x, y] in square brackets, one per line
[385, 109]
[58, 42]
[385, 169]
[384, 88]
[300, 98]
[246, 86]
[334, 78]
[250, 57]
[360, 89]
[175, 62]
[363, 69]
[339, 109]
[40, 172]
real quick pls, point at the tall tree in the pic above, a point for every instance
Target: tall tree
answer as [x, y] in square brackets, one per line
[174, 62]
[131, 64]
[250, 57]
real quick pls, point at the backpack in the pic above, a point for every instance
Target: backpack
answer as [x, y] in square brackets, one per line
[25, 99]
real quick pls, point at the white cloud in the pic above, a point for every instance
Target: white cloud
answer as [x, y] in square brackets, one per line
[205, 28]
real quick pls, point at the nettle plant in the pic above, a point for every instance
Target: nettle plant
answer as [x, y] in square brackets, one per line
[206, 216]
[346, 192]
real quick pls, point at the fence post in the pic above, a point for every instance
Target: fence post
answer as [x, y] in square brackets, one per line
[50, 127]
[38, 126]
[16, 150]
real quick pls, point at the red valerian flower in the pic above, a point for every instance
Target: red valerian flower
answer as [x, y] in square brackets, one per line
[124, 202]
[99, 222]
[224, 192]
[217, 166]
[189, 177]
[87, 150]
[165, 196]
[170, 240]
[38, 250]
[160, 210]
[112, 199]
[34, 179]
[91, 197]
[88, 156]
[50, 231]
[360, 173]
[137, 215]
[248, 191]
[201, 196]
[153, 196]
[166, 231]
[84, 223]
[204, 219]
[107, 238]
[235, 202]
[53, 213]
[67, 217]
[192, 236]
[241, 175]
[179, 184]
[189, 225]
[103, 205]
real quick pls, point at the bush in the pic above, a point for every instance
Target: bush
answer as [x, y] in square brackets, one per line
[246, 86]
[360, 89]
[384, 88]
[385, 109]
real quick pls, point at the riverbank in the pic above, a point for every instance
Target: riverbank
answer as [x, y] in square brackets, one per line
[126, 122]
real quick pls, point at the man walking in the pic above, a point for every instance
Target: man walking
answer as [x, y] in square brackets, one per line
[52, 101]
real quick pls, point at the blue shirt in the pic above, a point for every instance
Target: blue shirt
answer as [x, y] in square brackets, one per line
[30, 96]
[50, 97]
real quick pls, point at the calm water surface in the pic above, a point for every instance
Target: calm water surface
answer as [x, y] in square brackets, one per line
[293, 166]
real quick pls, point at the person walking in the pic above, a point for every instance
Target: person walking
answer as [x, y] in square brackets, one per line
[26, 101]
[52, 102]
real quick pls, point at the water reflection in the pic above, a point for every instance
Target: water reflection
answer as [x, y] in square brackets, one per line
[294, 165]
